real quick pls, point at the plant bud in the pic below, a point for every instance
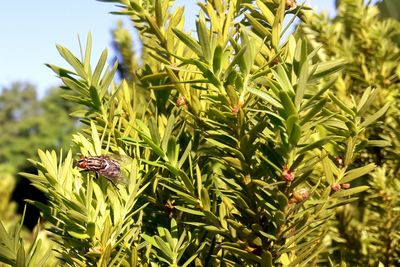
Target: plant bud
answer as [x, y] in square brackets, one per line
[169, 205]
[276, 61]
[236, 109]
[335, 187]
[339, 161]
[288, 175]
[300, 195]
[387, 82]
[346, 186]
[181, 101]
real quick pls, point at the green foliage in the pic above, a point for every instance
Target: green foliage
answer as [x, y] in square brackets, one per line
[367, 232]
[13, 251]
[231, 161]
[94, 222]
[26, 123]
[7, 185]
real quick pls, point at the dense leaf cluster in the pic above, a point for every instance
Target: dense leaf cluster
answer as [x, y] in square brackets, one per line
[236, 147]
[368, 230]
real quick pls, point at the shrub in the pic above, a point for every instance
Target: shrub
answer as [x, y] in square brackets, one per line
[240, 153]
[367, 231]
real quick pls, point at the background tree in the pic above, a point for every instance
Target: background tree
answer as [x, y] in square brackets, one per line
[28, 123]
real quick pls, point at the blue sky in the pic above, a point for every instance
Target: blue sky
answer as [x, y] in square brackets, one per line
[30, 30]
